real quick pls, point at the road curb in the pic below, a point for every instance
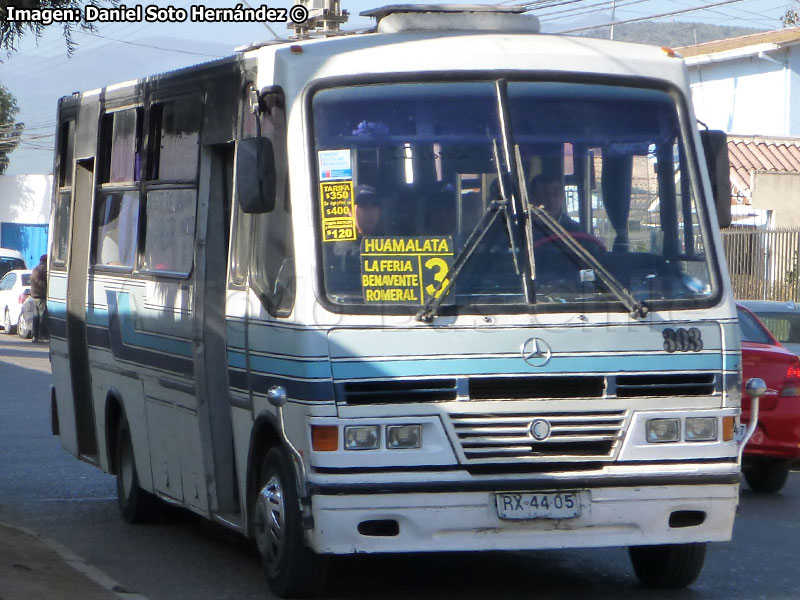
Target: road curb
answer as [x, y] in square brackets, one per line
[79, 564]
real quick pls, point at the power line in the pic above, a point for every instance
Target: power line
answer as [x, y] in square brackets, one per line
[651, 17]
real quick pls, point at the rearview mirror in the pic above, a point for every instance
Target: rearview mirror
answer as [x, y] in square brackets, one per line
[255, 175]
[715, 147]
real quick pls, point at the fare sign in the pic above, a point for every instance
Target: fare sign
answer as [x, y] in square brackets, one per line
[338, 217]
[404, 270]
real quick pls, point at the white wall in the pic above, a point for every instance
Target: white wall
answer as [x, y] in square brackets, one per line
[25, 198]
[748, 95]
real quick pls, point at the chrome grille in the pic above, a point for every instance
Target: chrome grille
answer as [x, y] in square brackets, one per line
[506, 438]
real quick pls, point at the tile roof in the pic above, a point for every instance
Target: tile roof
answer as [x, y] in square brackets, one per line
[778, 36]
[756, 153]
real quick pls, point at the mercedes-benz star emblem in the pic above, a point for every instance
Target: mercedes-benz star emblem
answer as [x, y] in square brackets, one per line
[540, 429]
[536, 352]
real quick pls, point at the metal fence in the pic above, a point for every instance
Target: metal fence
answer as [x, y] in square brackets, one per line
[764, 264]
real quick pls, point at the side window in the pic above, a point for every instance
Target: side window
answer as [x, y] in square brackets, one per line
[169, 233]
[751, 330]
[61, 212]
[175, 131]
[171, 196]
[116, 209]
[121, 146]
[274, 269]
[66, 153]
[117, 225]
[4, 285]
[63, 196]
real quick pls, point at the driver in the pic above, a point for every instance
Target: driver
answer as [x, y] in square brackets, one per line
[547, 192]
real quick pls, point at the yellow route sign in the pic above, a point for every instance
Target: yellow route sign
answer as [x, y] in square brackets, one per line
[404, 270]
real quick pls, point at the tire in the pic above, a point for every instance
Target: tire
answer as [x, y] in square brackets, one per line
[135, 504]
[667, 566]
[8, 328]
[292, 569]
[23, 329]
[767, 476]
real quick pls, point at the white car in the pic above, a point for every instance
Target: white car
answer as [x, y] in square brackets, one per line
[15, 288]
[10, 260]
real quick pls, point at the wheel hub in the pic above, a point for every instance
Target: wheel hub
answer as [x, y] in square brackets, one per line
[269, 521]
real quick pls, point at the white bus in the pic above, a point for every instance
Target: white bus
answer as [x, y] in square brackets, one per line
[313, 292]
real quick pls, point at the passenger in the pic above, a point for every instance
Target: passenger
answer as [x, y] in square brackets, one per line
[39, 294]
[367, 207]
[345, 264]
[440, 211]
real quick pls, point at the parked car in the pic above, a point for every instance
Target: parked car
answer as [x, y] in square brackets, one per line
[781, 318]
[10, 260]
[776, 440]
[15, 288]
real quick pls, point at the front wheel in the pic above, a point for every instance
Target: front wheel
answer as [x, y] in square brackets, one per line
[8, 327]
[292, 569]
[767, 475]
[668, 566]
[137, 505]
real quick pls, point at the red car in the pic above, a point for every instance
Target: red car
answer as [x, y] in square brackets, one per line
[776, 440]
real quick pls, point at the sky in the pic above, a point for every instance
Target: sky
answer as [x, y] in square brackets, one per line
[40, 72]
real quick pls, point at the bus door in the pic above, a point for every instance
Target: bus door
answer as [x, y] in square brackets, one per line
[78, 262]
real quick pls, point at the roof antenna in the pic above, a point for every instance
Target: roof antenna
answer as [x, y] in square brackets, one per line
[325, 18]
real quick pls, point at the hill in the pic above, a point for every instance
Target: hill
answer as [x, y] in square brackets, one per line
[670, 34]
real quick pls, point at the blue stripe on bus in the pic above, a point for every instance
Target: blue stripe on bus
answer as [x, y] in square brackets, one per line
[355, 369]
[147, 349]
[311, 369]
[299, 390]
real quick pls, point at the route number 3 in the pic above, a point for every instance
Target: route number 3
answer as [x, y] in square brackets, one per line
[440, 277]
[682, 340]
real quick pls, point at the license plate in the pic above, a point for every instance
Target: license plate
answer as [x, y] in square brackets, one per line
[549, 505]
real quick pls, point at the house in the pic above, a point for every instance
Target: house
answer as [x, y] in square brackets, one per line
[25, 214]
[748, 85]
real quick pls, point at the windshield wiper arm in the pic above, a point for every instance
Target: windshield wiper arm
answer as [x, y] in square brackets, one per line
[434, 302]
[637, 309]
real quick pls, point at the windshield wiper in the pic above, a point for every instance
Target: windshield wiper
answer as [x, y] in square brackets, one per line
[434, 302]
[637, 309]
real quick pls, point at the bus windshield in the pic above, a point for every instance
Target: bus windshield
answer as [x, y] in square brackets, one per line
[407, 173]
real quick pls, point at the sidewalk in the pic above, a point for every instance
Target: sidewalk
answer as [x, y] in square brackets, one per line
[35, 568]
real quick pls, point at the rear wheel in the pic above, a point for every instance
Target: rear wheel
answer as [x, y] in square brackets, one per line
[668, 566]
[767, 475]
[136, 504]
[23, 329]
[8, 327]
[292, 569]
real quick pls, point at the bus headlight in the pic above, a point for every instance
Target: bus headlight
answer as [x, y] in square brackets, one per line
[403, 436]
[361, 437]
[701, 429]
[663, 430]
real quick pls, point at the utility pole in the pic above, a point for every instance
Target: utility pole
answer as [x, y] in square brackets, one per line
[613, 17]
[325, 18]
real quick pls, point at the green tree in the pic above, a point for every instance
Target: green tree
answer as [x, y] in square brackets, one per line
[790, 18]
[10, 131]
[12, 31]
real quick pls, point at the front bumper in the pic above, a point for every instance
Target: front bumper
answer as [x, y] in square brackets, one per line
[468, 521]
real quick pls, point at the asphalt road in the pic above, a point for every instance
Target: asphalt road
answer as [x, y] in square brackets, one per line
[47, 490]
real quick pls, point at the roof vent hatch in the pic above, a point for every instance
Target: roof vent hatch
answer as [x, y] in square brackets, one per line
[398, 18]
